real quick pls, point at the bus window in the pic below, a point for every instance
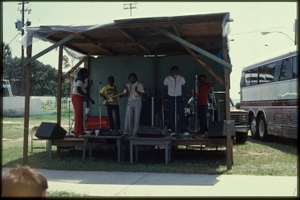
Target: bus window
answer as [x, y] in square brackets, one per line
[286, 69]
[253, 77]
[243, 82]
[247, 77]
[265, 74]
[295, 67]
[277, 68]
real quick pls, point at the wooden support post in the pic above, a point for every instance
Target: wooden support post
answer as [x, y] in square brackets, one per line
[27, 106]
[228, 118]
[59, 83]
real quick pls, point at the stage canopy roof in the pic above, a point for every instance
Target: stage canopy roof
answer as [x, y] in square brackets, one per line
[139, 36]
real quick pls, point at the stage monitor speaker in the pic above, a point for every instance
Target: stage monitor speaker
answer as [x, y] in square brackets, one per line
[217, 129]
[145, 119]
[50, 131]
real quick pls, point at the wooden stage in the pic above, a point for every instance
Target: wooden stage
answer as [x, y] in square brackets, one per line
[122, 141]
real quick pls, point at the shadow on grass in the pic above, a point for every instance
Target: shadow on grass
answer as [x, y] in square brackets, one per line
[286, 145]
[183, 161]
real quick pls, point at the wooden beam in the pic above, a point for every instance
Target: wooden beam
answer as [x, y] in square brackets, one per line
[99, 45]
[80, 62]
[198, 59]
[127, 34]
[50, 48]
[59, 83]
[227, 108]
[163, 22]
[194, 47]
[27, 106]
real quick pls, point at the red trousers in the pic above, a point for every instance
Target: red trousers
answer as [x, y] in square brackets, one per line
[77, 101]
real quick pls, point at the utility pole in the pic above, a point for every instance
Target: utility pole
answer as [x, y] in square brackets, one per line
[20, 27]
[131, 6]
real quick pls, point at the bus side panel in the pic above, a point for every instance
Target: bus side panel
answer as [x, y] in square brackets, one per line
[274, 119]
[289, 124]
[274, 130]
[290, 132]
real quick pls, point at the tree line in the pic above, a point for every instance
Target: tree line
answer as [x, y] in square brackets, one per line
[43, 80]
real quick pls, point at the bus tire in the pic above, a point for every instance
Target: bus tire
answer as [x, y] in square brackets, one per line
[261, 128]
[253, 128]
[241, 137]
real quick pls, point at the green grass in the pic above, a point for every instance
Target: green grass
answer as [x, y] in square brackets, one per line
[276, 156]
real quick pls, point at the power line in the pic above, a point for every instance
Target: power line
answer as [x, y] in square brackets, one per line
[258, 30]
[13, 39]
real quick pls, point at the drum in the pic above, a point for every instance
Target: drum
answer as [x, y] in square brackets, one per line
[193, 123]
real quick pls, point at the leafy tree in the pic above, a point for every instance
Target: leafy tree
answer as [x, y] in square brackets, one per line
[43, 81]
[6, 50]
[11, 69]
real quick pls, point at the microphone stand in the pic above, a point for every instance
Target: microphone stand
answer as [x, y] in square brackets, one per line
[69, 118]
[196, 116]
[100, 105]
[129, 111]
[175, 108]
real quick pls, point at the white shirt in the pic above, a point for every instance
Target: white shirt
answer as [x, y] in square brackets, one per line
[133, 95]
[79, 83]
[174, 85]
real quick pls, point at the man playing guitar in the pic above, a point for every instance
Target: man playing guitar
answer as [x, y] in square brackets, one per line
[109, 95]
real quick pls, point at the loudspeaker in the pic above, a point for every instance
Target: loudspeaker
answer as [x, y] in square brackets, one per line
[217, 129]
[145, 119]
[50, 131]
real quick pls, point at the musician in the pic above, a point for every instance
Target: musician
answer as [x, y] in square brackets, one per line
[80, 92]
[112, 92]
[202, 101]
[174, 84]
[135, 91]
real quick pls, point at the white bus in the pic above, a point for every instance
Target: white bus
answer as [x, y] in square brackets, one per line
[270, 95]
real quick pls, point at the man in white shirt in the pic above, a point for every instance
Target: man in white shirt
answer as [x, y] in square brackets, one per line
[135, 91]
[174, 85]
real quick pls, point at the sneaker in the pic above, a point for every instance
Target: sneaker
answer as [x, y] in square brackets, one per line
[173, 134]
[186, 134]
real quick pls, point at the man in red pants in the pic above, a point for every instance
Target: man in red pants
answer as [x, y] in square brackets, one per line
[79, 93]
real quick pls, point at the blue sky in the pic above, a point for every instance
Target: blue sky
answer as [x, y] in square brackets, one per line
[250, 19]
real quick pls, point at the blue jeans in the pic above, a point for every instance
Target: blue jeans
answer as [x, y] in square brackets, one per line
[110, 109]
[180, 112]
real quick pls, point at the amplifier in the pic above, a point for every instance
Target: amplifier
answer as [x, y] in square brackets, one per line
[217, 129]
[152, 131]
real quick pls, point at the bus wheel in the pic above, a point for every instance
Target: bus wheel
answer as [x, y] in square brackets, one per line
[254, 133]
[261, 128]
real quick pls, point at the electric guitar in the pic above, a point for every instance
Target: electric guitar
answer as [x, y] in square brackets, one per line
[110, 98]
